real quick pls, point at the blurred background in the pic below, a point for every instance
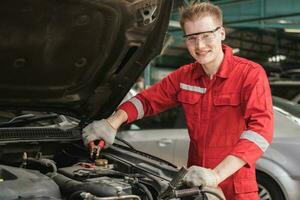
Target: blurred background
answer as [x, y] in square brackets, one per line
[265, 31]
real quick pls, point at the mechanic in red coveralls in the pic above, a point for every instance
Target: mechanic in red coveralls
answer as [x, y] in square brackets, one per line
[227, 104]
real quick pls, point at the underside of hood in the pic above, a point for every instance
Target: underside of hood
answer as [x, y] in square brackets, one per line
[76, 57]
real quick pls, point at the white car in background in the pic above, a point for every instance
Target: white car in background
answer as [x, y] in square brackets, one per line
[278, 173]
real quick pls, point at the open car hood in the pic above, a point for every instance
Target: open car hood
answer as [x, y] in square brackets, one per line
[76, 57]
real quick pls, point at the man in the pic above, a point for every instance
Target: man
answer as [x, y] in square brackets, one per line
[227, 104]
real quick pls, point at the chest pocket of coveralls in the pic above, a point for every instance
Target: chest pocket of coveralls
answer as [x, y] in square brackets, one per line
[227, 115]
[227, 105]
[189, 101]
[227, 100]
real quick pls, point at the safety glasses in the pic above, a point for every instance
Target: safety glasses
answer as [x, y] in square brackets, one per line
[205, 36]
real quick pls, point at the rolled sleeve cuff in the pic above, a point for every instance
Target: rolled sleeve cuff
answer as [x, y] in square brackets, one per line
[250, 147]
[133, 108]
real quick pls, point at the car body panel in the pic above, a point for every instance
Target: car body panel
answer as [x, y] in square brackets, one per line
[159, 143]
[288, 184]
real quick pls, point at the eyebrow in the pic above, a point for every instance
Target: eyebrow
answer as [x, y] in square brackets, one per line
[203, 32]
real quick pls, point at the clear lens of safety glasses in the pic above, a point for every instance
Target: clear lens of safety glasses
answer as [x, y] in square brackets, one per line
[206, 37]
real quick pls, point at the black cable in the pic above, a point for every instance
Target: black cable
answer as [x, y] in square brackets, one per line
[44, 161]
[125, 142]
[146, 190]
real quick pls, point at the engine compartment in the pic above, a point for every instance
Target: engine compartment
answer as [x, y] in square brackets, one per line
[58, 167]
[69, 173]
[18, 183]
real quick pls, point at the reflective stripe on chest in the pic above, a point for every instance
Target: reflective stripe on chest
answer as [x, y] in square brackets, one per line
[192, 88]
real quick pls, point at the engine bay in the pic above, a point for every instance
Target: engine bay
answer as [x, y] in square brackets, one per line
[64, 176]
[58, 167]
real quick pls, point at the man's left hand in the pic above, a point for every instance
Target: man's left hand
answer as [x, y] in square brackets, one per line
[199, 176]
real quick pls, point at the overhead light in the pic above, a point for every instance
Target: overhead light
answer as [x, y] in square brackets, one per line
[174, 24]
[292, 30]
[277, 58]
[283, 21]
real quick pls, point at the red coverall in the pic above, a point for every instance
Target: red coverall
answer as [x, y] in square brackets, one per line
[229, 115]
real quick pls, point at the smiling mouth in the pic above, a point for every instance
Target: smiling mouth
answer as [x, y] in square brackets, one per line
[202, 53]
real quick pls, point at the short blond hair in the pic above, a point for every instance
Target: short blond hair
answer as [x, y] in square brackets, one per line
[197, 10]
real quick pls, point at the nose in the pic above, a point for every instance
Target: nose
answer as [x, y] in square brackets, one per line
[199, 44]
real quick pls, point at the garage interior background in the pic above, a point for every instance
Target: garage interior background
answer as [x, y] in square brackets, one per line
[265, 31]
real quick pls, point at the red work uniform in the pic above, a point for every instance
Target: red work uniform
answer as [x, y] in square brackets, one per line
[230, 114]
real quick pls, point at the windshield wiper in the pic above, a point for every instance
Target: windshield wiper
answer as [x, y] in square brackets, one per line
[27, 119]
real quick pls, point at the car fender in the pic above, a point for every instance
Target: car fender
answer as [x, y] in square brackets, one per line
[281, 177]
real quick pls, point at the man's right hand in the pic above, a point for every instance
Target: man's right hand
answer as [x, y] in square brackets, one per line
[99, 130]
[200, 176]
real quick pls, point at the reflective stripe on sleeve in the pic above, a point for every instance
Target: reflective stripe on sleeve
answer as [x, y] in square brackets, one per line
[139, 106]
[193, 88]
[256, 138]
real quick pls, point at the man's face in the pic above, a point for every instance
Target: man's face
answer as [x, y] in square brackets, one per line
[205, 47]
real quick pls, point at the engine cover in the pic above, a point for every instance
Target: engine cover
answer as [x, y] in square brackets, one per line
[19, 183]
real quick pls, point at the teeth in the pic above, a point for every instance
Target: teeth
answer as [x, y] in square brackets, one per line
[201, 53]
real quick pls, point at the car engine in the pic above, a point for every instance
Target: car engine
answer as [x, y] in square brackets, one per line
[79, 180]
[40, 177]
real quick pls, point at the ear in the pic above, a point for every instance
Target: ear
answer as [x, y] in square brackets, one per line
[223, 33]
